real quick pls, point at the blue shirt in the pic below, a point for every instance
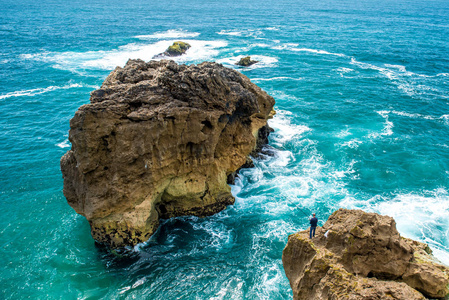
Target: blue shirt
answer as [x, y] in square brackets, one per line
[313, 222]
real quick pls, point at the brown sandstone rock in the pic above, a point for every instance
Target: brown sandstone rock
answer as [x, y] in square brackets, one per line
[159, 140]
[362, 257]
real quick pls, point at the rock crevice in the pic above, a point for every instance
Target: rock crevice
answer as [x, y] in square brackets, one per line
[160, 140]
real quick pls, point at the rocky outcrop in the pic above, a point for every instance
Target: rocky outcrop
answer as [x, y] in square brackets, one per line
[358, 255]
[246, 62]
[159, 140]
[177, 49]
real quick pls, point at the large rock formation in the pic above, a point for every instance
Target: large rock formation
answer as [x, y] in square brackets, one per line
[358, 255]
[159, 140]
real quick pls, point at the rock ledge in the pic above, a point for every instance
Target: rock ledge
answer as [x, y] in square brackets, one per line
[362, 257]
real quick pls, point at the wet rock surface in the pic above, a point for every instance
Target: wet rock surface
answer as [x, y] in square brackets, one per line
[177, 49]
[246, 62]
[160, 140]
[358, 255]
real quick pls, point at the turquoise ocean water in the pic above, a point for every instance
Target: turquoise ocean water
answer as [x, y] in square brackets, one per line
[362, 100]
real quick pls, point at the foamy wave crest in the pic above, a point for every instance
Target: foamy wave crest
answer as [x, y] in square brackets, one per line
[353, 144]
[108, 60]
[230, 32]
[264, 62]
[230, 289]
[34, 92]
[388, 127]
[315, 51]
[169, 34]
[342, 71]
[254, 33]
[443, 118]
[406, 81]
[284, 129]
[63, 144]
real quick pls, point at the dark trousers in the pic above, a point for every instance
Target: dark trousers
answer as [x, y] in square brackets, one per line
[312, 231]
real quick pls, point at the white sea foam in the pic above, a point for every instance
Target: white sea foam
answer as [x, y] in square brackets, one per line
[254, 33]
[353, 144]
[34, 92]
[445, 118]
[284, 129]
[230, 289]
[230, 32]
[108, 60]
[286, 46]
[342, 71]
[388, 126]
[169, 34]
[406, 81]
[344, 133]
[64, 144]
[281, 78]
[139, 282]
[317, 51]
[250, 47]
[293, 47]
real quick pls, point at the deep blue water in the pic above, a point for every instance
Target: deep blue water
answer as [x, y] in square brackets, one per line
[362, 100]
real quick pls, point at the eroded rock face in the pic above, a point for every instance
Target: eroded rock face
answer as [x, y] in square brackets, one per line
[159, 140]
[362, 257]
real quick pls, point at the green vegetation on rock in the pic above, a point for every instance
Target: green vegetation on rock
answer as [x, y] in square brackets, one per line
[246, 61]
[178, 48]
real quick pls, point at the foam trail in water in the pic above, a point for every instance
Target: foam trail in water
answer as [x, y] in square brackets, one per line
[408, 82]
[388, 127]
[169, 34]
[64, 144]
[281, 78]
[293, 47]
[254, 33]
[34, 92]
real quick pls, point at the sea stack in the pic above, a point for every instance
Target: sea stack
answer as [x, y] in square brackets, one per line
[159, 140]
[359, 255]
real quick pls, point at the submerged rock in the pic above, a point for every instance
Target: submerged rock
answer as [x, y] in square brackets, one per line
[177, 49]
[362, 257]
[159, 140]
[246, 61]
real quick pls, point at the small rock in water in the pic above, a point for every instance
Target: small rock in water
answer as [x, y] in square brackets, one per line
[177, 49]
[246, 62]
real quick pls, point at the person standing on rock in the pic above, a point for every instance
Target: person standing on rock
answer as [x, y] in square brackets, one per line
[313, 225]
